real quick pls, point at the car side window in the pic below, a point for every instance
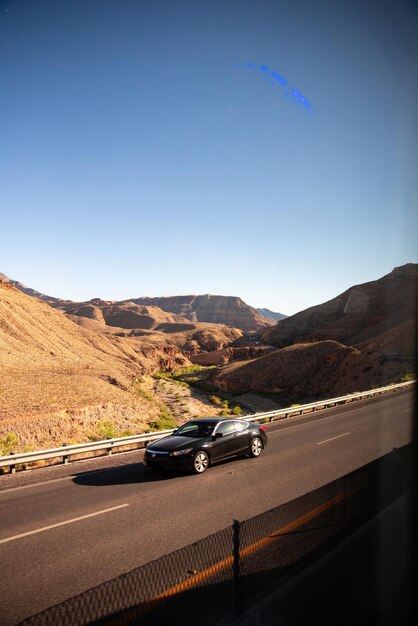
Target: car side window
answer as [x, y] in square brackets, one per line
[240, 425]
[226, 428]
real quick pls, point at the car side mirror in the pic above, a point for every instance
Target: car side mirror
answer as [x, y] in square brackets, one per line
[217, 435]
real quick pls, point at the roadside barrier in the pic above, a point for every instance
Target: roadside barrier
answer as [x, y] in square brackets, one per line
[67, 453]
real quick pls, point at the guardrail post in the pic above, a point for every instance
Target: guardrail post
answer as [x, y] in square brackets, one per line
[65, 456]
[109, 450]
[12, 467]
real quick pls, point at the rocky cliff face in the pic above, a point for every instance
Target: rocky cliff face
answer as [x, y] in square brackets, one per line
[117, 315]
[227, 310]
[361, 314]
[151, 325]
[360, 339]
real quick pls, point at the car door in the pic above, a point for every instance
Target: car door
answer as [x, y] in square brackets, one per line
[243, 436]
[224, 443]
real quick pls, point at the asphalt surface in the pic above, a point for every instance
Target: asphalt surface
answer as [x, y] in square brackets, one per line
[67, 529]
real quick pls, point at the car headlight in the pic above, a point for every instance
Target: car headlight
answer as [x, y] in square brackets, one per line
[181, 452]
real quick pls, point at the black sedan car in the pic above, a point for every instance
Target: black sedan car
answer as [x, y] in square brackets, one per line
[201, 442]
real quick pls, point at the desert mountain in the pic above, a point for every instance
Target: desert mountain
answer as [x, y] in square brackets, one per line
[101, 314]
[150, 323]
[59, 381]
[67, 367]
[227, 310]
[371, 312]
[27, 290]
[272, 314]
[360, 339]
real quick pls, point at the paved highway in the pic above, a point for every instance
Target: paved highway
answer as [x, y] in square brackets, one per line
[69, 528]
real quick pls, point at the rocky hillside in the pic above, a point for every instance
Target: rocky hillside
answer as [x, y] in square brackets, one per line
[58, 381]
[61, 381]
[381, 312]
[152, 325]
[66, 368]
[302, 372]
[228, 354]
[227, 310]
[27, 290]
[109, 316]
[360, 339]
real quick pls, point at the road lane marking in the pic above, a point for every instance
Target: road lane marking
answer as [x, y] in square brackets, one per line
[70, 477]
[283, 424]
[69, 521]
[42, 484]
[283, 530]
[318, 443]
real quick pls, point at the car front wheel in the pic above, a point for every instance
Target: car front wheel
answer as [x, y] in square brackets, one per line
[256, 447]
[200, 462]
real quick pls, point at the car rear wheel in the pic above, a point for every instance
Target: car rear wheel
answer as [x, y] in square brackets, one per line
[200, 462]
[256, 447]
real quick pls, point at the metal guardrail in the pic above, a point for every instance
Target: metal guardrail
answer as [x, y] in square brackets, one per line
[110, 444]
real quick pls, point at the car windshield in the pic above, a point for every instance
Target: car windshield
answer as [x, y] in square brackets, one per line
[196, 429]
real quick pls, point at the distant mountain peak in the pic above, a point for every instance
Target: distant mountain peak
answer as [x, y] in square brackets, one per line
[228, 310]
[208, 308]
[27, 290]
[272, 314]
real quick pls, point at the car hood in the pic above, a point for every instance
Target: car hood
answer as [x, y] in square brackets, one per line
[174, 442]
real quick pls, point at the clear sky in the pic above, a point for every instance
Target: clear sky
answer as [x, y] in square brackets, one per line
[150, 148]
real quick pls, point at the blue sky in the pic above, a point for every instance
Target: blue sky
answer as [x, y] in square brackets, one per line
[148, 148]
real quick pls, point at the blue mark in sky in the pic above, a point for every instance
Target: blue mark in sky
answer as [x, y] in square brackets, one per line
[277, 76]
[281, 80]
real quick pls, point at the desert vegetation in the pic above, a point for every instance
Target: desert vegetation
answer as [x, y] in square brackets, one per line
[8, 444]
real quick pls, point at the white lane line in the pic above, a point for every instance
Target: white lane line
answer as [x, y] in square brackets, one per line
[57, 480]
[318, 443]
[283, 424]
[43, 484]
[407, 410]
[69, 521]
